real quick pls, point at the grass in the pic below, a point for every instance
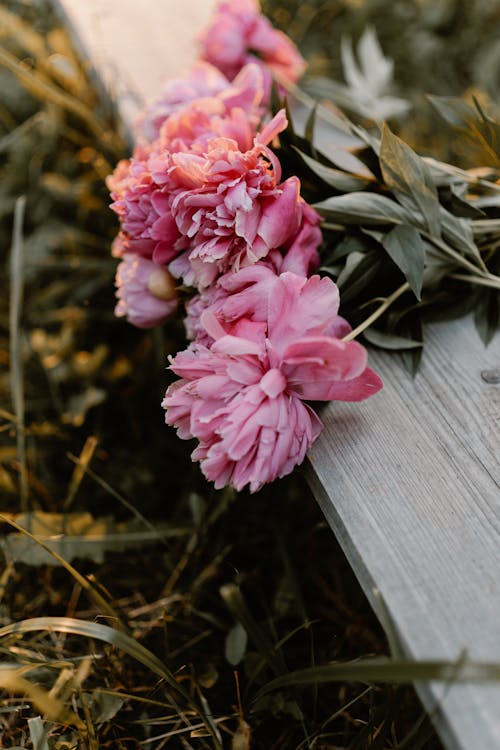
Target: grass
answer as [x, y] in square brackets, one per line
[193, 614]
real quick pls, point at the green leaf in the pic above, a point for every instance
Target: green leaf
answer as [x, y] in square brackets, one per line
[479, 127]
[105, 706]
[385, 340]
[456, 112]
[363, 208]
[358, 272]
[234, 601]
[342, 181]
[310, 123]
[236, 644]
[487, 314]
[389, 671]
[408, 176]
[405, 247]
[458, 232]
[459, 207]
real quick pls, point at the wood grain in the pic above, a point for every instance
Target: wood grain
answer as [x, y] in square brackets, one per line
[409, 480]
[134, 45]
[410, 483]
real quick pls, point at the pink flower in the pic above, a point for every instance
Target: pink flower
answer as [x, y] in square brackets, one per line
[146, 292]
[247, 294]
[234, 210]
[239, 33]
[202, 80]
[243, 397]
[142, 188]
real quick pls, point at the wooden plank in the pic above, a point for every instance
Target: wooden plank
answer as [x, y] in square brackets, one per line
[410, 483]
[134, 46]
[409, 480]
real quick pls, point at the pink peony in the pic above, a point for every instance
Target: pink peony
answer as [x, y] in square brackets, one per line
[142, 188]
[243, 397]
[146, 292]
[234, 211]
[201, 81]
[239, 33]
[247, 294]
[204, 81]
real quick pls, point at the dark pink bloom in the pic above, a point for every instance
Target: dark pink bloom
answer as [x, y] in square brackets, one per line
[243, 397]
[142, 188]
[146, 292]
[234, 210]
[239, 33]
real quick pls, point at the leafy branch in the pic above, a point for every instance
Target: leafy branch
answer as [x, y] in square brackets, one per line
[415, 237]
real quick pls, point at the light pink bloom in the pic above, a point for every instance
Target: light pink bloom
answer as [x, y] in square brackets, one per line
[248, 294]
[201, 80]
[146, 292]
[239, 33]
[234, 210]
[242, 398]
[204, 81]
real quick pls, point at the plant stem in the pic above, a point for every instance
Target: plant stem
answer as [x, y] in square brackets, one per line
[492, 281]
[378, 312]
[482, 270]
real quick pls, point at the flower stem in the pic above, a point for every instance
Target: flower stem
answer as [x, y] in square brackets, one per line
[378, 312]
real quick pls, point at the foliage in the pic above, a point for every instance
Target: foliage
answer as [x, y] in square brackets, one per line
[408, 239]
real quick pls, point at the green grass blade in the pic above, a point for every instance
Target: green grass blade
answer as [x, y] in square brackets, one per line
[388, 671]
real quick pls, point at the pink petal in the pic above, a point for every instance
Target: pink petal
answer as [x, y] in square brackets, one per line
[357, 389]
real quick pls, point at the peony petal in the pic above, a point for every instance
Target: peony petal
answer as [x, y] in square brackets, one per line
[357, 389]
[313, 365]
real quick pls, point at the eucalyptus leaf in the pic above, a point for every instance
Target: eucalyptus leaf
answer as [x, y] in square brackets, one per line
[456, 112]
[405, 247]
[487, 314]
[342, 181]
[406, 174]
[459, 233]
[310, 123]
[457, 206]
[385, 340]
[369, 81]
[357, 274]
[363, 208]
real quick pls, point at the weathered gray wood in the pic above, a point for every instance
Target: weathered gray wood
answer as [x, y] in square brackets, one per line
[410, 480]
[134, 45]
[410, 483]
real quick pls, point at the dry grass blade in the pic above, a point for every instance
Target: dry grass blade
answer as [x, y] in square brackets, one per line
[84, 460]
[94, 594]
[43, 89]
[53, 709]
[82, 465]
[16, 356]
[115, 638]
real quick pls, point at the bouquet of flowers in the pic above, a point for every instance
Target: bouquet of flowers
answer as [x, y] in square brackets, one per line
[211, 204]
